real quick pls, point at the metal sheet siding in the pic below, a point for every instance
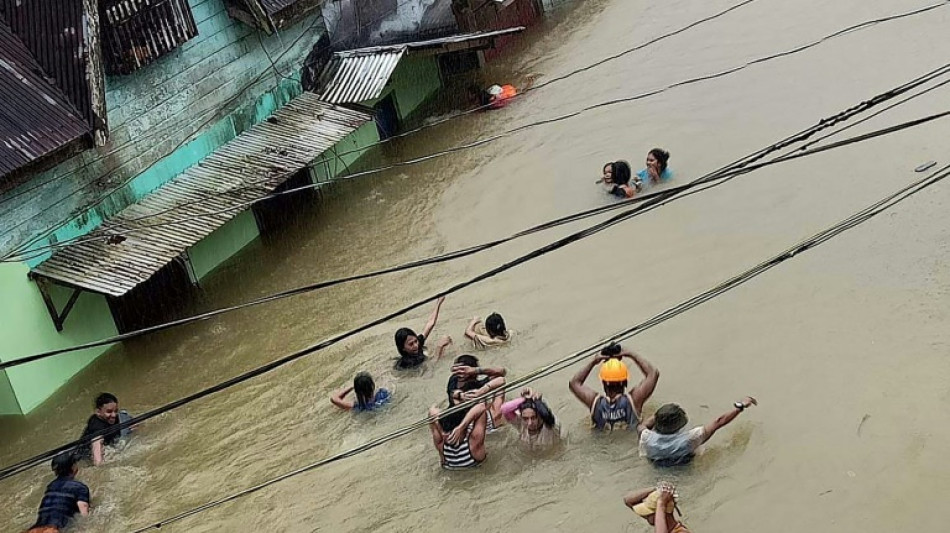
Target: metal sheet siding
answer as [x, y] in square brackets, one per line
[359, 75]
[356, 77]
[36, 118]
[189, 207]
[53, 30]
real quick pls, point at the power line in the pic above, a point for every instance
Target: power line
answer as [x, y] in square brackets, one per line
[816, 240]
[189, 137]
[670, 34]
[467, 146]
[471, 250]
[565, 241]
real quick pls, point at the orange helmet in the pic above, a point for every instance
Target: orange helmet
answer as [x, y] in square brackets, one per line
[613, 371]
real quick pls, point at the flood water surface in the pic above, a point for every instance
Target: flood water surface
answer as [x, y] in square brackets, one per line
[845, 347]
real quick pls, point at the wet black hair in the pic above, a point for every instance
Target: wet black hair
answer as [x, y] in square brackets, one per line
[495, 326]
[662, 157]
[104, 399]
[612, 349]
[63, 464]
[467, 360]
[608, 164]
[401, 335]
[453, 420]
[365, 388]
[621, 172]
[544, 412]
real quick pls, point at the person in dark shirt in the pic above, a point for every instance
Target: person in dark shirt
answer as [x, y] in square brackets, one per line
[411, 347]
[105, 419]
[64, 497]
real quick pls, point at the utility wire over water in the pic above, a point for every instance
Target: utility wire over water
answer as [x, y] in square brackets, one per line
[812, 242]
[744, 163]
[33, 253]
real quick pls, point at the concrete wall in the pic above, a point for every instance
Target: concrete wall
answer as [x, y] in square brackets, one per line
[26, 328]
[415, 81]
[182, 99]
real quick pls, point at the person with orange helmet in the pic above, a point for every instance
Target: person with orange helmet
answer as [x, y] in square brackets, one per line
[616, 407]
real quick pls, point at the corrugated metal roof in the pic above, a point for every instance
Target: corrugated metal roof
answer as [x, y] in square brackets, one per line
[36, 118]
[53, 30]
[245, 169]
[359, 75]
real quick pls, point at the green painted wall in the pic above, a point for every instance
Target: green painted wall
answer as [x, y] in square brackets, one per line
[26, 328]
[223, 243]
[414, 81]
[329, 166]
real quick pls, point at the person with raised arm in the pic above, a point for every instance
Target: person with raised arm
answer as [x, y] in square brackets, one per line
[617, 407]
[411, 347]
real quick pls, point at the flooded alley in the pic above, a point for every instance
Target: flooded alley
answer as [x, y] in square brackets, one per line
[844, 347]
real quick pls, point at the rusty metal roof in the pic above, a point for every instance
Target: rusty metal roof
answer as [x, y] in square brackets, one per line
[362, 74]
[36, 118]
[201, 199]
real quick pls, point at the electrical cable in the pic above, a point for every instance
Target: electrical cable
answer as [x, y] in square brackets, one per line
[803, 246]
[464, 252]
[802, 136]
[844, 31]
[692, 25]
[442, 153]
[189, 137]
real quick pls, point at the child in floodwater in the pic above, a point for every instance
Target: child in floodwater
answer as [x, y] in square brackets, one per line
[411, 347]
[366, 396]
[492, 332]
[64, 498]
[657, 170]
[620, 182]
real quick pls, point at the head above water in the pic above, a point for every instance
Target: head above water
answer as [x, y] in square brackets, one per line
[608, 172]
[670, 418]
[365, 388]
[495, 326]
[660, 157]
[107, 407]
[621, 173]
[467, 360]
[536, 414]
[407, 342]
[65, 464]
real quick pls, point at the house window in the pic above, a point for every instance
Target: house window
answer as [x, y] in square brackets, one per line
[136, 33]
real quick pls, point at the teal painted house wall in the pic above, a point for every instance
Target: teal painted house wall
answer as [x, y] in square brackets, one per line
[162, 119]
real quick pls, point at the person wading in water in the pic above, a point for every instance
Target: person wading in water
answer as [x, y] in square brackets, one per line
[616, 407]
[411, 347]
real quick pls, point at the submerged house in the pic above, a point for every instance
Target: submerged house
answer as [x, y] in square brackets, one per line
[138, 138]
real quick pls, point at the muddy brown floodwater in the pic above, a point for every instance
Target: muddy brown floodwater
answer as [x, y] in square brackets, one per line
[846, 347]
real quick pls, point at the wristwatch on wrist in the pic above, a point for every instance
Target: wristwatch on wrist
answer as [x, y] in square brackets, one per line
[740, 406]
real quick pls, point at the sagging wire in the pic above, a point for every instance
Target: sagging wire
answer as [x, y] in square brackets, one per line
[803, 246]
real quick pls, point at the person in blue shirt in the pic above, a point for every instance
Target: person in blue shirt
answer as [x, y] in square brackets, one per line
[64, 497]
[366, 396]
[657, 170]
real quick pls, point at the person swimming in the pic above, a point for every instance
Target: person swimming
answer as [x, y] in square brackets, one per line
[366, 396]
[64, 498]
[493, 332]
[656, 171]
[620, 184]
[411, 347]
[617, 407]
[102, 428]
[536, 424]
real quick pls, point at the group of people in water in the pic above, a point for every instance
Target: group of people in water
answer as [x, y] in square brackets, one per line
[618, 178]
[459, 435]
